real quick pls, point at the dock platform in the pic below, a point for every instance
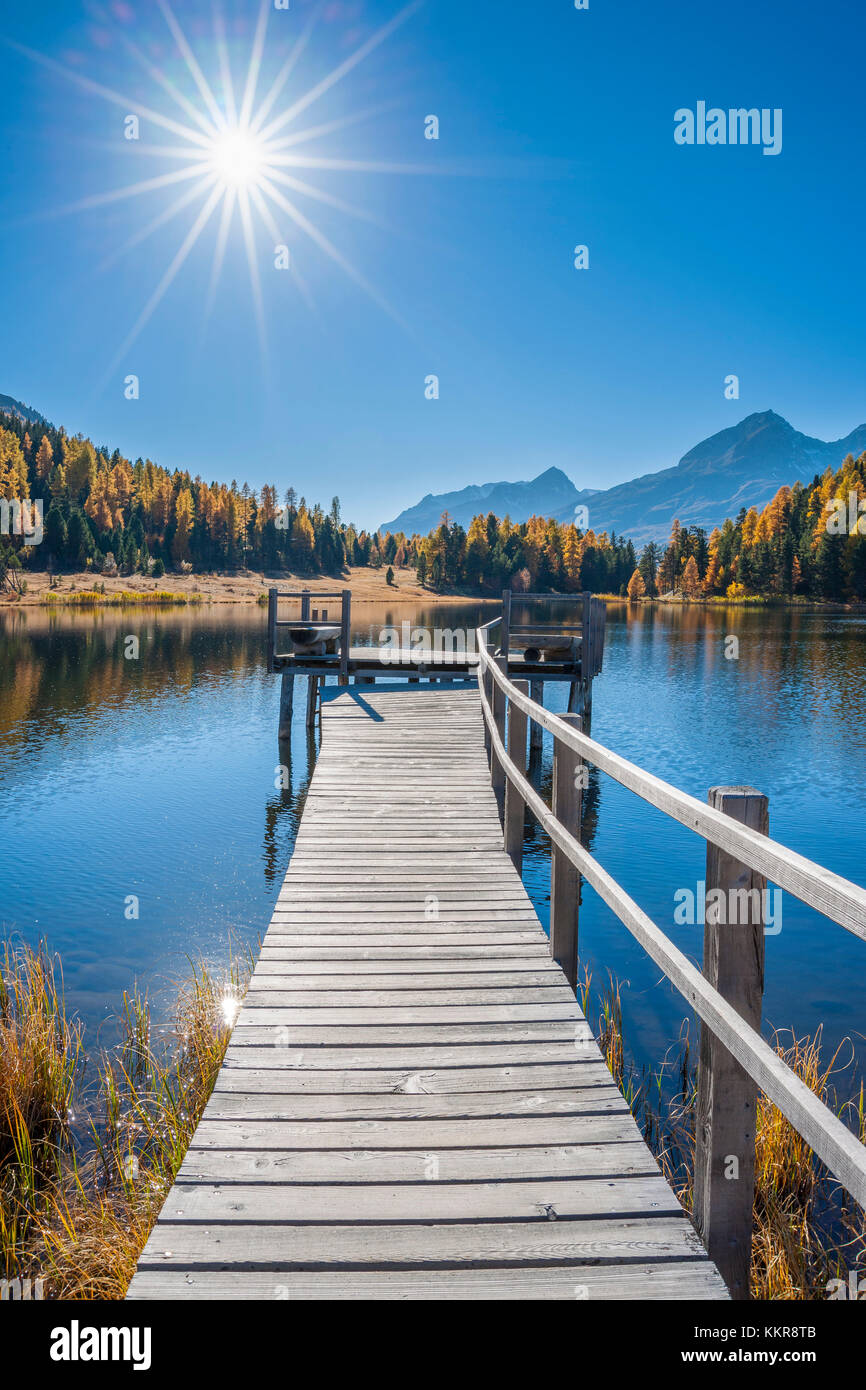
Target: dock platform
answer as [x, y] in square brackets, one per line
[412, 1105]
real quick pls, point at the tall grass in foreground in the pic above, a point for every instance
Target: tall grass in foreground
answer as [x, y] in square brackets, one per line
[806, 1230]
[77, 1207]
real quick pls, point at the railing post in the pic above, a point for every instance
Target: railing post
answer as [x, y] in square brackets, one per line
[345, 635]
[564, 877]
[486, 683]
[536, 733]
[727, 1098]
[272, 629]
[515, 806]
[505, 636]
[497, 771]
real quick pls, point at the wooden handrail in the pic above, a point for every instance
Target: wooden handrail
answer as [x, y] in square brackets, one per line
[826, 1135]
[830, 894]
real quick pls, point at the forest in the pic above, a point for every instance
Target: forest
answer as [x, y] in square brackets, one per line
[107, 515]
[809, 541]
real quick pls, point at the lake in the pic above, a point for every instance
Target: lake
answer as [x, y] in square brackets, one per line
[148, 785]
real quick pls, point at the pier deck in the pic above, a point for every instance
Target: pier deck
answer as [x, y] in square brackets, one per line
[412, 1105]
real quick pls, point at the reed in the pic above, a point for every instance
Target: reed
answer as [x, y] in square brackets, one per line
[79, 1213]
[124, 598]
[806, 1230]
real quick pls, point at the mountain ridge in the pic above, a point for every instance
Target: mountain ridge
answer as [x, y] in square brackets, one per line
[10, 406]
[743, 465]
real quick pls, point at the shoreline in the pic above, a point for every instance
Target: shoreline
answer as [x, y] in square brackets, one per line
[77, 592]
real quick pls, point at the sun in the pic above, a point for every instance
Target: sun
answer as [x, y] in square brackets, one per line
[238, 158]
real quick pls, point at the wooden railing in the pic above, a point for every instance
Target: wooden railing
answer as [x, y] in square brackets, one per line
[588, 627]
[736, 1061]
[304, 597]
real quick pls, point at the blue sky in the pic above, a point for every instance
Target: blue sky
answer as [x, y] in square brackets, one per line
[556, 128]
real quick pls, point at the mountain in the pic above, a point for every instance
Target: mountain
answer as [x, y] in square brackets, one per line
[9, 406]
[549, 493]
[743, 466]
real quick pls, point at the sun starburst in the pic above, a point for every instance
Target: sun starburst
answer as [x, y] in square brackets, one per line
[237, 153]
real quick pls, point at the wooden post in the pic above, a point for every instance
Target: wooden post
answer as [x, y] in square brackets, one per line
[486, 683]
[345, 635]
[272, 629]
[515, 806]
[505, 643]
[727, 1097]
[497, 771]
[305, 605]
[287, 697]
[536, 733]
[564, 877]
[586, 638]
[312, 692]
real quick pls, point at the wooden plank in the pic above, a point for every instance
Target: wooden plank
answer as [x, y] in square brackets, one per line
[676, 1280]
[452, 1082]
[336, 1166]
[478, 1243]
[299, 1204]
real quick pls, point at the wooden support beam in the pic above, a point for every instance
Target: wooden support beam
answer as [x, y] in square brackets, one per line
[515, 806]
[564, 877]
[312, 694]
[536, 733]
[287, 698]
[272, 628]
[727, 1097]
[497, 771]
[345, 635]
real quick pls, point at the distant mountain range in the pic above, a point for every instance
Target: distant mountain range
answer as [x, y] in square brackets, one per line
[9, 406]
[743, 466]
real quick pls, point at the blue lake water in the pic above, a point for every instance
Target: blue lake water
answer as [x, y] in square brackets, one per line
[155, 779]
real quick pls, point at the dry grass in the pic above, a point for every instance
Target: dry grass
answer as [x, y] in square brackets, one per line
[80, 1214]
[806, 1231]
[126, 598]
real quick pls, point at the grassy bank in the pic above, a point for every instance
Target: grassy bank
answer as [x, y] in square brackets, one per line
[86, 1165]
[86, 589]
[806, 1231]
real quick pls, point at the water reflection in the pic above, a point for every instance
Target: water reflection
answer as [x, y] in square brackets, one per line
[156, 777]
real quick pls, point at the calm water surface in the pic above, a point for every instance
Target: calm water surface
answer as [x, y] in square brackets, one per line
[155, 778]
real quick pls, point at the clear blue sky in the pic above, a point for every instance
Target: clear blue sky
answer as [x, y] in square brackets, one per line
[559, 123]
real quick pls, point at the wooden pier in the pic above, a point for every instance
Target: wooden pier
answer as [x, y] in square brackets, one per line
[412, 1105]
[576, 658]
